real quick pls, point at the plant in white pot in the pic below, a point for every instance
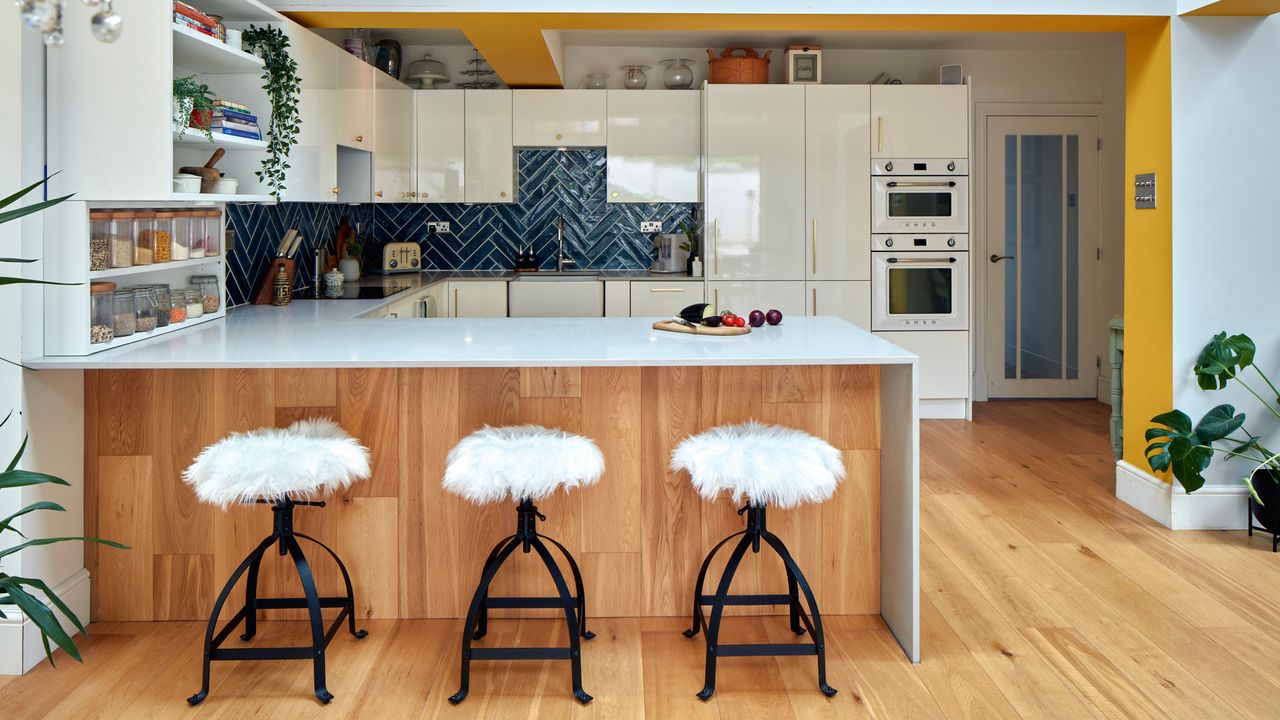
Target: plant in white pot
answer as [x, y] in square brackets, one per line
[1187, 450]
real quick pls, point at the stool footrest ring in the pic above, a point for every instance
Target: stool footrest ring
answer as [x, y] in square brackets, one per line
[523, 653]
[760, 649]
[503, 603]
[779, 599]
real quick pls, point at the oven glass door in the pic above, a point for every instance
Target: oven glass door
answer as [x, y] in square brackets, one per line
[920, 291]
[921, 204]
[934, 205]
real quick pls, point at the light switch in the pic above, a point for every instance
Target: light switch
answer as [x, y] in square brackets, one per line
[1144, 191]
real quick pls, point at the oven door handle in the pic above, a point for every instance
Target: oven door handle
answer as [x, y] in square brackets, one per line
[896, 184]
[919, 260]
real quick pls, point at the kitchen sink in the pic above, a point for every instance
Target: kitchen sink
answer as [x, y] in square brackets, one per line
[551, 275]
[571, 294]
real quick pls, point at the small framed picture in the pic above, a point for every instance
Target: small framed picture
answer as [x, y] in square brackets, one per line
[804, 64]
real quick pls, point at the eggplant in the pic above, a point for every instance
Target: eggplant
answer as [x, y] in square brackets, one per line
[712, 321]
[696, 312]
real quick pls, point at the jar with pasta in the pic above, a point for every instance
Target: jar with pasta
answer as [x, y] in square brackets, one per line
[162, 235]
[144, 237]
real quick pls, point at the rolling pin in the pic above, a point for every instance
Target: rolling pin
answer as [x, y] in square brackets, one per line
[208, 175]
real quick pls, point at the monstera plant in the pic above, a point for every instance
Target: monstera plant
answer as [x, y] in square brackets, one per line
[1187, 449]
[15, 590]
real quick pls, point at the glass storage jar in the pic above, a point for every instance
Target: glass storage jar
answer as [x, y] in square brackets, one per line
[124, 314]
[145, 305]
[144, 237]
[210, 296]
[199, 236]
[99, 239]
[195, 306]
[162, 234]
[102, 307]
[185, 224]
[122, 238]
[213, 232]
[164, 305]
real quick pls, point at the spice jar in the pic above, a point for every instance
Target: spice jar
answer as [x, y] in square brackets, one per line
[144, 237]
[210, 296]
[178, 306]
[183, 222]
[195, 306]
[212, 232]
[163, 235]
[164, 305]
[122, 238]
[102, 307]
[124, 315]
[145, 303]
[99, 239]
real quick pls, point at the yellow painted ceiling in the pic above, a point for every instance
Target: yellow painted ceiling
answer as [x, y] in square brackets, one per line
[1239, 8]
[514, 45]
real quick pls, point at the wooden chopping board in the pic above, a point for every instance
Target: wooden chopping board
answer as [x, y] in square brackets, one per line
[673, 326]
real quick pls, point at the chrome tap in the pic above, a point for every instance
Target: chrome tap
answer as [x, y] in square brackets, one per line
[561, 260]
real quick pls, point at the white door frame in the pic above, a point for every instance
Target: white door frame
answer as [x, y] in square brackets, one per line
[978, 214]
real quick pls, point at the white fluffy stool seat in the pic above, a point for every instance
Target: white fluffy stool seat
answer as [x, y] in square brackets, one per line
[767, 465]
[521, 462]
[310, 458]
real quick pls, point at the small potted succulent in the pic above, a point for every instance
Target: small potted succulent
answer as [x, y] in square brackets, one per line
[1187, 450]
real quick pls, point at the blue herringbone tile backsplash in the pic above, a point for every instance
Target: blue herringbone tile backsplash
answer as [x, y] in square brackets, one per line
[552, 183]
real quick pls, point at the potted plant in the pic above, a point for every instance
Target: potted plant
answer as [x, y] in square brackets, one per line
[1187, 450]
[14, 590]
[192, 106]
[690, 244]
[350, 263]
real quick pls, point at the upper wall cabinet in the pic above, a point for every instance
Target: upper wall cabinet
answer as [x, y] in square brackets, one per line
[490, 155]
[755, 182]
[838, 182]
[654, 146]
[354, 112]
[393, 162]
[441, 131]
[920, 121]
[559, 118]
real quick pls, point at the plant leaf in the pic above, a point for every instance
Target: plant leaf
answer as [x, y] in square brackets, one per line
[50, 541]
[18, 455]
[1222, 359]
[23, 478]
[18, 260]
[42, 505]
[1189, 461]
[1176, 420]
[28, 281]
[10, 215]
[6, 202]
[40, 585]
[1218, 423]
[42, 617]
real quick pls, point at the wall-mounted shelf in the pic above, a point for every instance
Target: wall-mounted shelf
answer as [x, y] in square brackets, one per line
[195, 138]
[197, 51]
[110, 273]
[216, 198]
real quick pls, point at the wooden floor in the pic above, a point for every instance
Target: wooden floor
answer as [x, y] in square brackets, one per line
[1044, 597]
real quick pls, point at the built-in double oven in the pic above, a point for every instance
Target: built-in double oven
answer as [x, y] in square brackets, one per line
[920, 245]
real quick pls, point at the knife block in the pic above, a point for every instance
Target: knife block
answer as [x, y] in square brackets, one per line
[262, 295]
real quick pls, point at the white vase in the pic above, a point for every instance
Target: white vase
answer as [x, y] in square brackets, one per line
[350, 267]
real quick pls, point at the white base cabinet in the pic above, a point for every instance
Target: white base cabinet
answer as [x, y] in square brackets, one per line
[559, 118]
[846, 299]
[617, 298]
[477, 298]
[743, 297]
[944, 361]
[655, 146]
[664, 299]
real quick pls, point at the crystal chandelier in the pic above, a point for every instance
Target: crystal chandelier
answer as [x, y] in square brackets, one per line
[46, 16]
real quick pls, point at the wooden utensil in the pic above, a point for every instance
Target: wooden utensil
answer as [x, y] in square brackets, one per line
[208, 175]
[722, 331]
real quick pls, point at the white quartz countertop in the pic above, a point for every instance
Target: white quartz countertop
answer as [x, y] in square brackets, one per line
[330, 333]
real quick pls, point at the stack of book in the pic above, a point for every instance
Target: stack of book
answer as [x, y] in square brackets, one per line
[230, 118]
[189, 17]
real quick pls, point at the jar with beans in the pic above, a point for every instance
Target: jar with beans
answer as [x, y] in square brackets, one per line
[102, 308]
[124, 316]
[195, 305]
[210, 294]
[145, 305]
[122, 238]
[99, 239]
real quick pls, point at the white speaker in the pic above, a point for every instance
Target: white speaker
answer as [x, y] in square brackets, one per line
[951, 75]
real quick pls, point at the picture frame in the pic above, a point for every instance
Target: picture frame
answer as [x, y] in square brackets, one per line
[804, 64]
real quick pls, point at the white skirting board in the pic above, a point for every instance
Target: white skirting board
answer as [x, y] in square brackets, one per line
[1212, 507]
[945, 409]
[20, 646]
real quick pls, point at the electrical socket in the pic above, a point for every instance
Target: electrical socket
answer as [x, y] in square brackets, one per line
[650, 226]
[441, 227]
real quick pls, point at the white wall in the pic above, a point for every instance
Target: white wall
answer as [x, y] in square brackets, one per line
[1226, 231]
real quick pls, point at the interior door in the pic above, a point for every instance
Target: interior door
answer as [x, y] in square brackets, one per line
[1041, 245]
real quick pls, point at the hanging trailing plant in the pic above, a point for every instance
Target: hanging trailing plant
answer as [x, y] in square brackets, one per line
[280, 73]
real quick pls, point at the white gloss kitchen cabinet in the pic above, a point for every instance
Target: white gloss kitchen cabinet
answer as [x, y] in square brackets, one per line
[847, 299]
[919, 121]
[558, 118]
[755, 183]
[944, 370]
[477, 298]
[440, 124]
[490, 170]
[837, 182]
[393, 160]
[744, 296]
[354, 81]
[655, 146]
[663, 298]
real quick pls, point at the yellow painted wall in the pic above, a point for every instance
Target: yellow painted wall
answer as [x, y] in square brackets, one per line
[1148, 236]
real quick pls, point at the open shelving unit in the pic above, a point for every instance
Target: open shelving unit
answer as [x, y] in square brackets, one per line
[193, 49]
[196, 138]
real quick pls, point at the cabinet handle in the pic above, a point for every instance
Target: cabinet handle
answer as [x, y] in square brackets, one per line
[358, 138]
[559, 136]
[615, 194]
[455, 302]
[378, 194]
[815, 301]
[424, 195]
[715, 303]
[880, 133]
[666, 290]
[715, 250]
[814, 243]
[502, 194]
[335, 190]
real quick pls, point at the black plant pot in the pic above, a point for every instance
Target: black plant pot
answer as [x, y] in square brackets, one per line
[1267, 484]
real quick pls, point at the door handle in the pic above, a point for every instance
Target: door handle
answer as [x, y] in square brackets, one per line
[455, 302]
[815, 301]
[880, 133]
[998, 258]
[666, 290]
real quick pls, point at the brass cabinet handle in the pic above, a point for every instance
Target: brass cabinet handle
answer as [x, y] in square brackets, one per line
[716, 301]
[378, 194]
[815, 301]
[424, 195]
[502, 194]
[715, 250]
[358, 138]
[559, 136]
[666, 290]
[335, 190]
[455, 302]
[815, 246]
[880, 133]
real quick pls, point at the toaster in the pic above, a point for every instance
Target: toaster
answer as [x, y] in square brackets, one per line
[401, 257]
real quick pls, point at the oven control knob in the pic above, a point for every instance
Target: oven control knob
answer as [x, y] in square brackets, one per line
[888, 242]
[951, 242]
[888, 167]
[951, 166]
[393, 264]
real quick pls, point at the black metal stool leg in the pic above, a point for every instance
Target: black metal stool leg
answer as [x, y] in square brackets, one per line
[251, 601]
[794, 594]
[482, 620]
[717, 610]
[346, 578]
[313, 612]
[816, 617]
[577, 583]
[482, 590]
[251, 559]
[698, 619]
[570, 616]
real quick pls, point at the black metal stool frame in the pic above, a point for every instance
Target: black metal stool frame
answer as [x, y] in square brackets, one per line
[801, 621]
[283, 535]
[527, 538]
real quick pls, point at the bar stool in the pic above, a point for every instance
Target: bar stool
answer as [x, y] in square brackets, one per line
[523, 464]
[763, 465]
[283, 468]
